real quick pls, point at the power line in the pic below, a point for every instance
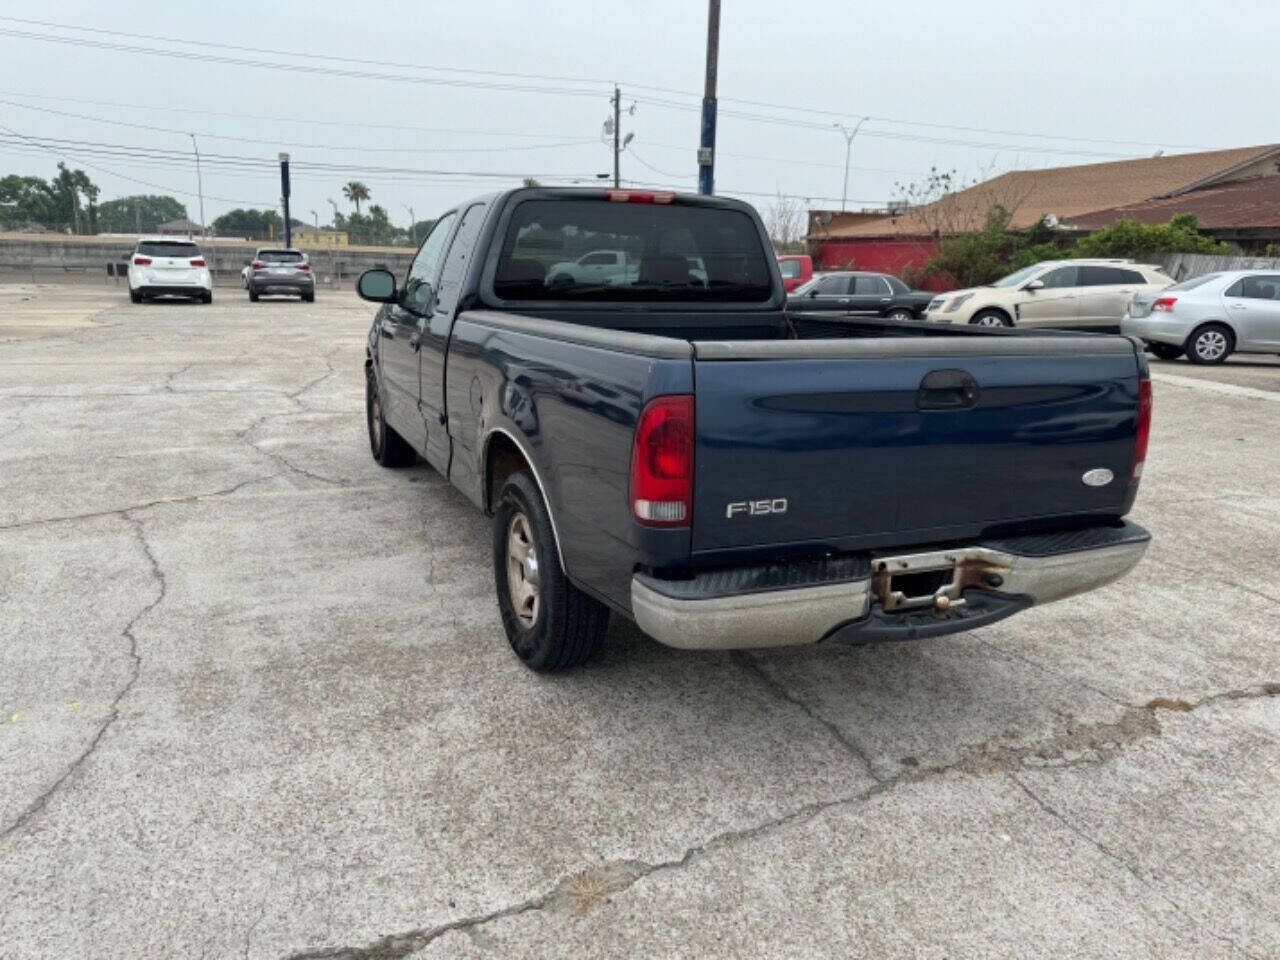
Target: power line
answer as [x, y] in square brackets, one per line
[290, 143]
[311, 69]
[494, 84]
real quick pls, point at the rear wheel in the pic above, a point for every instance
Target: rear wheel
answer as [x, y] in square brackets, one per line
[309, 297]
[206, 297]
[388, 447]
[900, 316]
[1165, 351]
[550, 623]
[1210, 344]
[991, 318]
[135, 295]
[253, 295]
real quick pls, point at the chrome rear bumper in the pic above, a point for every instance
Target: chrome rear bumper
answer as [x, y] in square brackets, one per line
[861, 602]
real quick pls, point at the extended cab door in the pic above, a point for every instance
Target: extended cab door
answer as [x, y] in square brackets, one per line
[1055, 302]
[1253, 307]
[435, 340]
[1105, 293]
[400, 334]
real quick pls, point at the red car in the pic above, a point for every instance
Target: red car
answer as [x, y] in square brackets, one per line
[797, 268]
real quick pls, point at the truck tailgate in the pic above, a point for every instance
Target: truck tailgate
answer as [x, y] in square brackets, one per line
[848, 444]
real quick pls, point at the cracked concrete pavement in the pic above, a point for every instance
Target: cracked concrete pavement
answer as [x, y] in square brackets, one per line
[255, 701]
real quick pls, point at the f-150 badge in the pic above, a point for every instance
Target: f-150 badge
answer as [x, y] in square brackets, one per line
[755, 508]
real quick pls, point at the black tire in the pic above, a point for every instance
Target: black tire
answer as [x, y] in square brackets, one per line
[991, 318]
[206, 297]
[309, 298]
[253, 295]
[388, 448]
[1210, 344]
[1165, 351]
[135, 296]
[900, 315]
[564, 627]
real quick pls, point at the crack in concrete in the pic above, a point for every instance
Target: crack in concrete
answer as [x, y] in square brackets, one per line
[584, 888]
[168, 380]
[1132, 870]
[113, 712]
[744, 660]
[124, 511]
[1229, 583]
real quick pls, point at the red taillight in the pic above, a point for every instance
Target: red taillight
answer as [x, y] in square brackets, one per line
[142, 261]
[304, 266]
[639, 196]
[1144, 430]
[258, 265]
[1163, 304]
[662, 463]
[197, 263]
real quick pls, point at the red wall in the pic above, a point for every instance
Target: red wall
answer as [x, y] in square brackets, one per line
[880, 254]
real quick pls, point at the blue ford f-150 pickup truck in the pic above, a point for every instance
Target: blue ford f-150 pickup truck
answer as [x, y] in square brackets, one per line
[674, 448]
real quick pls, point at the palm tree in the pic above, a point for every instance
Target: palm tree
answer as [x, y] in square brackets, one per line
[355, 191]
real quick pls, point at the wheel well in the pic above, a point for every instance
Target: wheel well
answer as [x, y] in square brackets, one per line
[1000, 310]
[502, 459]
[1212, 323]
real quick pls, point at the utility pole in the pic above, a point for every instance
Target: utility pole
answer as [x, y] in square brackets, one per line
[413, 225]
[284, 193]
[707, 147]
[316, 218]
[848, 150]
[75, 211]
[617, 136]
[199, 182]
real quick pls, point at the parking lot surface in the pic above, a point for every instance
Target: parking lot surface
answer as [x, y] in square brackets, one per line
[256, 701]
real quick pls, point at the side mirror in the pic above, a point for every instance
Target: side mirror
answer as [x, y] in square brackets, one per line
[378, 286]
[1034, 285]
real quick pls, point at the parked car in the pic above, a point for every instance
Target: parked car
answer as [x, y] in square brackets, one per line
[1210, 317]
[280, 270]
[823, 506]
[1092, 294]
[796, 269]
[856, 293]
[168, 267]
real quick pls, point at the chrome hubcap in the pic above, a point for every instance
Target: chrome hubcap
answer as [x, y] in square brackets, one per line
[522, 570]
[1211, 344]
[990, 322]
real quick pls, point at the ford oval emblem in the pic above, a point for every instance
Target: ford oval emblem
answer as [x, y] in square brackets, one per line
[1098, 477]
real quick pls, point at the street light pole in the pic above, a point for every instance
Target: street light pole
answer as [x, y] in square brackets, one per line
[413, 225]
[848, 151]
[199, 182]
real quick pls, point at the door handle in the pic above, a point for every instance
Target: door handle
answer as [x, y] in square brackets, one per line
[947, 390]
[844, 299]
[1239, 306]
[416, 341]
[886, 299]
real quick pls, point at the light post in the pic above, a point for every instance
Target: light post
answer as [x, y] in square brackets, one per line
[413, 225]
[199, 182]
[848, 150]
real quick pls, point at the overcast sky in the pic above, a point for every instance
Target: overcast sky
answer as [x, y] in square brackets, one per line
[1036, 86]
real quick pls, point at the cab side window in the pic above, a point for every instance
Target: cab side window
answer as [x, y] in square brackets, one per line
[832, 286]
[1256, 288]
[459, 258]
[420, 284]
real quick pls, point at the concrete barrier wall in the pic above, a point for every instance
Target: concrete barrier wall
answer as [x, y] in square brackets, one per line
[41, 257]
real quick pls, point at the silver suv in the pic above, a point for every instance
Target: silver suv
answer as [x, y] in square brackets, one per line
[280, 270]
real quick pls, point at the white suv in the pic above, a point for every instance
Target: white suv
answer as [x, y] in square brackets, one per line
[1092, 294]
[169, 267]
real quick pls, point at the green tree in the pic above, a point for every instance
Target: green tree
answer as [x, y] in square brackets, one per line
[1140, 241]
[71, 186]
[978, 257]
[355, 191]
[254, 224]
[142, 213]
[374, 228]
[28, 200]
